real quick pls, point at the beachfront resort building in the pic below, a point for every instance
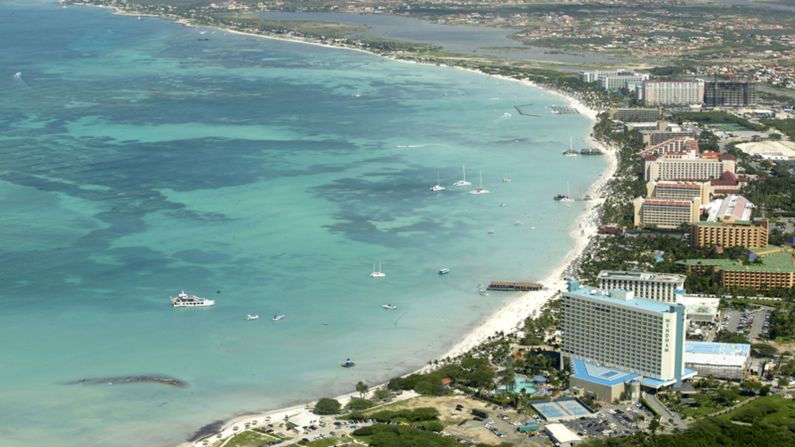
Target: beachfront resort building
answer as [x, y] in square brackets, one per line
[613, 80]
[668, 93]
[730, 93]
[667, 190]
[652, 137]
[720, 360]
[648, 285]
[665, 214]
[739, 233]
[688, 166]
[677, 145]
[728, 183]
[730, 209]
[766, 268]
[613, 338]
[635, 115]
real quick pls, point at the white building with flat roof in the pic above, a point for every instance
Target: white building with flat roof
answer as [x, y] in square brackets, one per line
[673, 92]
[648, 285]
[617, 330]
[561, 435]
[720, 360]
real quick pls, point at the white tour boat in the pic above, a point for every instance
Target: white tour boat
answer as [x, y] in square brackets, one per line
[185, 300]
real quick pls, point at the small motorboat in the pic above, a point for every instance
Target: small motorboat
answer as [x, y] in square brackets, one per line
[444, 271]
[250, 317]
[348, 363]
[389, 306]
[277, 317]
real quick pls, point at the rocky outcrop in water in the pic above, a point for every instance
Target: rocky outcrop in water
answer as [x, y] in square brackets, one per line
[127, 380]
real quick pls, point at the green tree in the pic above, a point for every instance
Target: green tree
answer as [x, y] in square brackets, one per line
[654, 425]
[327, 406]
[362, 388]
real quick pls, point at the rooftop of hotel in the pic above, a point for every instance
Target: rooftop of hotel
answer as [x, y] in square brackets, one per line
[732, 207]
[621, 298]
[674, 184]
[602, 375]
[723, 354]
[697, 305]
[667, 202]
[645, 276]
[773, 260]
[729, 224]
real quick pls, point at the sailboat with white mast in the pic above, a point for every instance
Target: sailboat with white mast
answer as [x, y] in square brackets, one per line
[571, 152]
[564, 197]
[463, 181]
[377, 273]
[438, 186]
[480, 189]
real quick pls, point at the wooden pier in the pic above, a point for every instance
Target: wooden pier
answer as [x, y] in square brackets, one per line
[510, 286]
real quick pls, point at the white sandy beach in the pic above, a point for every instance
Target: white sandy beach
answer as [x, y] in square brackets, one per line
[506, 319]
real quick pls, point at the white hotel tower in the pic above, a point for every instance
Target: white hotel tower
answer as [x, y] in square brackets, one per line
[614, 329]
[652, 286]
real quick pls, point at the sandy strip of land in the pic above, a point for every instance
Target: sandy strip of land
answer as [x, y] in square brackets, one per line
[506, 319]
[512, 314]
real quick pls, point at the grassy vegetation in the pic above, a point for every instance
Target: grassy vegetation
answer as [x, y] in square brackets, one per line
[767, 421]
[787, 126]
[771, 411]
[717, 118]
[380, 435]
[253, 438]
[329, 442]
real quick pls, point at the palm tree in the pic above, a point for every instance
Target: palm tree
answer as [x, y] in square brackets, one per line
[362, 388]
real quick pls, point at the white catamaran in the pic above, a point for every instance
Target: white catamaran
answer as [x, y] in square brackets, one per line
[377, 273]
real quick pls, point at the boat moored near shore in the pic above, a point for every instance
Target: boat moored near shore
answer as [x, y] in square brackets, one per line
[185, 300]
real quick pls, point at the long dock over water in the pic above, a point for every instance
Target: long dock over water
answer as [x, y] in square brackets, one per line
[510, 286]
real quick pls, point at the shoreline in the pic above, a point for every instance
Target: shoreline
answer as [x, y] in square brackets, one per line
[506, 318]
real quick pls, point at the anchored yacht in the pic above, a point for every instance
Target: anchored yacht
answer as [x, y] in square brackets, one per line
[185, 300]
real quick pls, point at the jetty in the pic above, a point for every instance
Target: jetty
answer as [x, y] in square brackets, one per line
[511, 286]
[564, 110]
[591, 151]
[519, 109]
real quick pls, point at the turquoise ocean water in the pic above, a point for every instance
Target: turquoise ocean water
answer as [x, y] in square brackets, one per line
[138, 158]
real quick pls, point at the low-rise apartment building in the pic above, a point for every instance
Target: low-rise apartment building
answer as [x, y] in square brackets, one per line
[771, 268]
[740, 233]
[702, 167]
[666, 214]
[666, 190]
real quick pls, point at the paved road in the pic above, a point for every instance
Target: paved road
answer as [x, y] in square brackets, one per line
[666, 415]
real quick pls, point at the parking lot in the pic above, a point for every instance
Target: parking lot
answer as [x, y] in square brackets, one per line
[614, 420]
[753, 323]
